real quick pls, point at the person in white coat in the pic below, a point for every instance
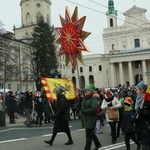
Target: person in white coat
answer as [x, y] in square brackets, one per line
[110, 101]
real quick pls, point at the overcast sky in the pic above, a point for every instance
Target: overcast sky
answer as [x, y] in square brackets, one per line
[10, 15]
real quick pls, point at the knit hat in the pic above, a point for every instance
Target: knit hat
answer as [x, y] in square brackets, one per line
[128, 100]
[142, 86]
[108, 93]
[91, 87]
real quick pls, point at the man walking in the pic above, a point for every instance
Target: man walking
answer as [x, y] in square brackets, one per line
[61, 123]
[89, 110]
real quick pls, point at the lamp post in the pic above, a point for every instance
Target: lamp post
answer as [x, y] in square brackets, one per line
[139, 77]
[2, 112]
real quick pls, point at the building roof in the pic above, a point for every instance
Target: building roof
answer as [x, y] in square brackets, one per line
[135, 10]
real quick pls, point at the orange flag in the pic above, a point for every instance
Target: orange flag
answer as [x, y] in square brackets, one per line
[50, 84]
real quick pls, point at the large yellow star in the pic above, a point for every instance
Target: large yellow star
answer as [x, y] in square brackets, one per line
[72, 37]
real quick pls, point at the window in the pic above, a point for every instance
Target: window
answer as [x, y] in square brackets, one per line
[90, 69]
[111, 22]
[38, 17]
[72, 71]
[38, 5]
[100, 68]
[137, 64]
[113, 46]
[18, 87]
[9, 86]
[81, 69]
[136, 42]
[28, 19]
[47, 19]
[26, 87]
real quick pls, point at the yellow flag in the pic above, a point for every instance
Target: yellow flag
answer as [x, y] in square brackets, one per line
[50, 84]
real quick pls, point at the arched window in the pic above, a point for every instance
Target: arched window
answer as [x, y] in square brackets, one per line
[81, 69]
[38, 17]
[47, 19]
[91, 79]
[82, 82]
[74, 81]
[111, 22]
[72, 71]
[113, 46]
[90, 68]
[100, 68]
[28, 19]
[136, 42]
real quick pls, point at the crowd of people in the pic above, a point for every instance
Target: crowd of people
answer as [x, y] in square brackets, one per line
[91, 105]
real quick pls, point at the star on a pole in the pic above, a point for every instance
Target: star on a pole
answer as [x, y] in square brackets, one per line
[72, 37]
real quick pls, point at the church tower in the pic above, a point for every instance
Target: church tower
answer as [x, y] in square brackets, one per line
[111, 15]
[31, 11]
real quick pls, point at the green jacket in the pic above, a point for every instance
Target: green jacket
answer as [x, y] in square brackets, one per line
[90, 105]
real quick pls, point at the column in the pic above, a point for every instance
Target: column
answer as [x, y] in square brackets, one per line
[112, 75]
[121, 73]
[144, 69]
[130, 72]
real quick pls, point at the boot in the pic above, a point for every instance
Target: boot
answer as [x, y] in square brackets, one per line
[50, 142]
[113, 141]
[138, 146]
[97, 147]
[70, 142]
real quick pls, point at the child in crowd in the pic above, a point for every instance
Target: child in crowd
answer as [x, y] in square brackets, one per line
[127, 124]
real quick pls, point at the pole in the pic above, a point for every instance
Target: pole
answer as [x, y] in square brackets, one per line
[5, 74]
[78, 77]
[139, 73]
[20, 70]
[83, 118]
[108, 77]
[51, 108]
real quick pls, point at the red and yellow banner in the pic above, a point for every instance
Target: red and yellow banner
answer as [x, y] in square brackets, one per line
[50, 84]
[147, 94]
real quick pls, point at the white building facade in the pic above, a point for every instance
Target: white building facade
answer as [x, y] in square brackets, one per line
[126, 52]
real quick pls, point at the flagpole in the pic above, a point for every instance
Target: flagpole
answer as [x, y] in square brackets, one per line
[78, 76]
[51, 108]
[79, 81]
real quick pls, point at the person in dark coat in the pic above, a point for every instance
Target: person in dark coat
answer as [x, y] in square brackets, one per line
[61, 123]
[144, 117]
[46, 108]
[28, 104]
[123, 95]
[128, 125]
[89, 110]
[11, 107]
[39, 111]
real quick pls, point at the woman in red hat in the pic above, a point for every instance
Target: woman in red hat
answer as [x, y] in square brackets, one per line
[111, 102]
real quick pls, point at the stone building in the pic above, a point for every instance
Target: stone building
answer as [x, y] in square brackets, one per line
[15, 69]
[18, 76]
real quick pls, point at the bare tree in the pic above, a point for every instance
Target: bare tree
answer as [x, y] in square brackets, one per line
[2, 29]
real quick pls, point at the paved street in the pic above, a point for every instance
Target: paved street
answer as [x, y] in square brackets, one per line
[19, 137]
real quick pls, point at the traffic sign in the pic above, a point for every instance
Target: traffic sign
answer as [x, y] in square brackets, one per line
[147, 73]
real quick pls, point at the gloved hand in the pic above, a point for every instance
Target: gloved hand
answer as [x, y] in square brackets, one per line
[82, 111]
[110, 104]
[53, 116]
[142, 112]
